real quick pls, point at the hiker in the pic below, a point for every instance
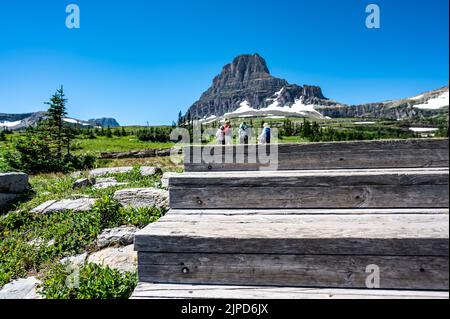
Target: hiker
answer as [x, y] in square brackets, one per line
[220, 135]
[265, 136]
[228, 132]
[243, 133]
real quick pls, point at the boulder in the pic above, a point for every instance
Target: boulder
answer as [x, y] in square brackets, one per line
[15, 183]
[76, 205]
[12, 186]
[122, 258]
[111, 170]
[122, 236]
[150, 170]
[143, 197]
[6, 199]
[21, 289]
[83, 182]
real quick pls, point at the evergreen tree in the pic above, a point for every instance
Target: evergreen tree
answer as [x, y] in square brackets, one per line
[108, 132]
[58, 134]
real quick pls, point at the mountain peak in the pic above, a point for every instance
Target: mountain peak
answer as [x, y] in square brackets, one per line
[247, 80]
[249, 64]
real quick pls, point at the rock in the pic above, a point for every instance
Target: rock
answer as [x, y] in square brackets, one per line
[103, 183]
[143, 197]
[16, 183]
[6, 199]
[76, 205]
[123, 235]
[112, 170]
[12, 187]
[83, 182]
[122, 258]
[77, 260]
[150, 171]
[21, 289]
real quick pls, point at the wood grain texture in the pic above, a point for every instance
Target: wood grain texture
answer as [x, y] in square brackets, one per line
[186, 291]
[363, 188]
[336, 155]
[417, 196]
[378, 234]
[295, 212]
[396, 272]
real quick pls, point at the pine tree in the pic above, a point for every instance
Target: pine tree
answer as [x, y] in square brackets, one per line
[108, 132]
[58, 135]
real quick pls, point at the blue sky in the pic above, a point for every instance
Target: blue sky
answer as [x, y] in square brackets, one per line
[143, 61]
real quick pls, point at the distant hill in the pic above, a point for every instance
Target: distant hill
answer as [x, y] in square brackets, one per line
[22, 121]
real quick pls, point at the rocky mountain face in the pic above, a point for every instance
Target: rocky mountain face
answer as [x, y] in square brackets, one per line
[246, 88]
[22, 121]
[424, 105]
[105, 122]
[247, 80]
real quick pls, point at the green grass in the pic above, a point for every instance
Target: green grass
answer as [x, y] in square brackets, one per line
[31, 243]
[115, 144]
[94, 282]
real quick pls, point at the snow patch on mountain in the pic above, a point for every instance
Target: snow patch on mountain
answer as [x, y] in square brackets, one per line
[9, 124]
[435, 103]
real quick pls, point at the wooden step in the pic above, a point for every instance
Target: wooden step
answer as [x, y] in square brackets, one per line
[300, 250]
[358, 188]
[335, 155]
[186, 291]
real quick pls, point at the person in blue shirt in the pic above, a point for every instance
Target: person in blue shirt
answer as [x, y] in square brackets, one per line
[265, 136]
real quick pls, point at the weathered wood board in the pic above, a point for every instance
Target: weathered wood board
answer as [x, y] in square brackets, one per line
[187, 291]
[328, 271]
[336, 155]
[295, 212]
[366, 234]
[363, 188]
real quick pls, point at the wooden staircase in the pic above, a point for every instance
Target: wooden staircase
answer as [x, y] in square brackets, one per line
[322, 226]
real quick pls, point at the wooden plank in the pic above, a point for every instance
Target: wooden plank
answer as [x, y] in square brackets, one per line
[419, 196]
[326, 271]
[295, 212]
[336, 155]
[325, 178]
[380, 188]
[186, 291]
[383, 234]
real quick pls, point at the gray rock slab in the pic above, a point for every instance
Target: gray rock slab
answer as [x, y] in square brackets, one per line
[26, 288]
[110, 170]
[143, 197]
[121, 258]
[76, 205]
[83, 182]
[123, 236]
[150, 170]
